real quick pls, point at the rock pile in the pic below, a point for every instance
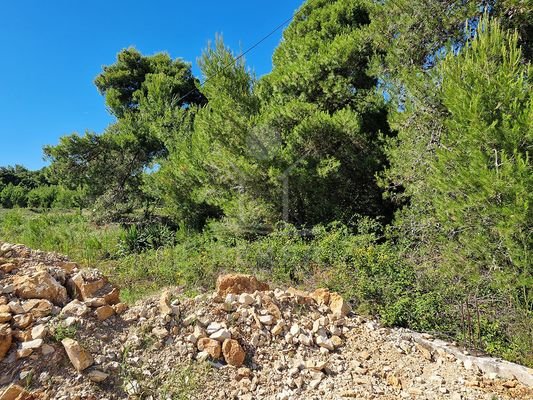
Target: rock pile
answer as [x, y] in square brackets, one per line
[65, 335]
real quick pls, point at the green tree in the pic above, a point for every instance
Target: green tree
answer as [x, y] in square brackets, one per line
[482, 174]
[109, 167]
[323, 105]
[126, 82]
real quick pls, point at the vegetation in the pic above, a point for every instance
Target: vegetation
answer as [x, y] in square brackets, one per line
[383, 157]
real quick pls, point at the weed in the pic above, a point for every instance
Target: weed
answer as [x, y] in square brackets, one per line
[61, 331]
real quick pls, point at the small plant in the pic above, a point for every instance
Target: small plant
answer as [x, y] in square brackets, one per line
[139, 238]
[61, 331]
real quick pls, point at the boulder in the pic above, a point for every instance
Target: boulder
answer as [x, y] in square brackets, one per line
[338, 306]
[321, 296]
[87, 285]
[75, 308]
[79, 357]
[238, 284]
[233, 352]
[39, 308]
[210, 346]
[40, 285]
[164, 303]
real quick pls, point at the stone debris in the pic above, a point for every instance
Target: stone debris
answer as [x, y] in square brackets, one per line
[244, 341]
[79, 357]
[238, 284]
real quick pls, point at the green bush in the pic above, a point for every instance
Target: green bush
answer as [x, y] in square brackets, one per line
[13, 196]
[42, 197]
[146, 236]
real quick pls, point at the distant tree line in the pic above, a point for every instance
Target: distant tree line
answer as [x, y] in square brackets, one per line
[20, 187]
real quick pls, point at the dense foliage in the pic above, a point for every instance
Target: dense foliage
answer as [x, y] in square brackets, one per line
[386, 156]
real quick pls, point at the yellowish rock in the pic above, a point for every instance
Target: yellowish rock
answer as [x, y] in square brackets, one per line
[15, 392]
[40, 285]
[210, 346]
[6, 338]
[338, 306]
[120, 308]
[164, 303]
[233, 352]
[5, 317]
[239, 283]
[321, 296]
[104, 312]
[79, 357]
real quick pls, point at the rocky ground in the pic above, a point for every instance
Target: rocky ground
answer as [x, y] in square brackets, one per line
[65, 335]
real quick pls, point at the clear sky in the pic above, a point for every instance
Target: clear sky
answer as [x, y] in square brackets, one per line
[52, 50]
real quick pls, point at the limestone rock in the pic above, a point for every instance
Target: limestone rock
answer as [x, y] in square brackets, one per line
[210, 346]
[39, 308]
[104, 312]
[239, 283]
[39, 331]
[321, 296]
[338, 306]
[90, 284]
[79, 357]
[40, 285]
[221, 335]
[32, 344]
[75, 308]
[233, 352]
[246, 299]
[97, 376]
[164, 303]
[6, 338]
[15, 392]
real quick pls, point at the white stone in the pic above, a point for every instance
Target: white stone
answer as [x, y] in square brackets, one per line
[213, 327]
[221, 335]
[132, 388]
[39, 332]
[32, 344]
[325, 343]
[295, 330]
[246, 299]
[266, 319]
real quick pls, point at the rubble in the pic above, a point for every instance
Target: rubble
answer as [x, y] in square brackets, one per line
[245, 341]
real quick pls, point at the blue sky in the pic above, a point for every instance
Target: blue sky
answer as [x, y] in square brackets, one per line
[52, 50]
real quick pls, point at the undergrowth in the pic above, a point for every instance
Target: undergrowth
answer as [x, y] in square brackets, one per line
[366, 269]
